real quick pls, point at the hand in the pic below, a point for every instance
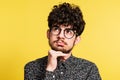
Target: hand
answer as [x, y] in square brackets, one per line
[52, 59]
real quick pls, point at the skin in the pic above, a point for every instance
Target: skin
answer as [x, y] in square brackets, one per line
[60, 47]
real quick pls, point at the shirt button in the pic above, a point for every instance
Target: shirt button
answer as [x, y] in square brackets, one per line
[61, 72]
[53, 76]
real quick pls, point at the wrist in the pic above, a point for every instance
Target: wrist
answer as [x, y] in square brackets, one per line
[50, 68]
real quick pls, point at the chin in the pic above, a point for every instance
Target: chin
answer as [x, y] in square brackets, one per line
[62, 50]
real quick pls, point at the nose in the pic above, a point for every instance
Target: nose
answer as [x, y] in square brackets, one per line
[61, 34]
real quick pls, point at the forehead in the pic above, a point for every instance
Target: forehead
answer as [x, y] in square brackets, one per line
[63, 26]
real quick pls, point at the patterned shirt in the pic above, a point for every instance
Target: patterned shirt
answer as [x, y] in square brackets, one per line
[72, 69]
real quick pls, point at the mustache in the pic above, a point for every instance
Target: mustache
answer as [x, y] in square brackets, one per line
[60, 41]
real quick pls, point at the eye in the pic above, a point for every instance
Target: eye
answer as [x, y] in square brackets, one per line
[55, 29]
[69, 31]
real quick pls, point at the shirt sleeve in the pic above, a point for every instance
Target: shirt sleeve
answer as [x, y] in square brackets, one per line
[31, 72]
[49, 75]
[94, 73]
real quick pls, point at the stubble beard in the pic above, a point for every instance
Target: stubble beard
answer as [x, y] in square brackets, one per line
[60, 49]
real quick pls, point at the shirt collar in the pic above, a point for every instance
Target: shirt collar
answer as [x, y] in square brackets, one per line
[70, 63]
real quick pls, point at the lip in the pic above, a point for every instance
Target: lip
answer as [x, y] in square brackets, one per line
[60, 43]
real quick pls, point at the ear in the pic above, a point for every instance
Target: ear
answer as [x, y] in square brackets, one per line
[48, 33]
[77, 40]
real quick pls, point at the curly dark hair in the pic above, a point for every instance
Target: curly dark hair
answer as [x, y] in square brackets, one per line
[67, 14]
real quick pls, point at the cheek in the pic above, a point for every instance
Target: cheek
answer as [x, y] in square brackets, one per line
[71, 43]
[52, 38]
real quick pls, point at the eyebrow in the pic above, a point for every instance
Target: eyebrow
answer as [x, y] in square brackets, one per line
[64, 26]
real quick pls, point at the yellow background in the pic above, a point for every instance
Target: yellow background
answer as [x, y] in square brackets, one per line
[23, 25]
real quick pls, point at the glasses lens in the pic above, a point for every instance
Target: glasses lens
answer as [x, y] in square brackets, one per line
[55, 30]
[69, 33]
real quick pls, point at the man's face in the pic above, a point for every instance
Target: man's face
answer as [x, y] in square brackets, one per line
[61, 42]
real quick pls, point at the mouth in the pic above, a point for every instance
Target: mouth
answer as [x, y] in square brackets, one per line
[60, 43]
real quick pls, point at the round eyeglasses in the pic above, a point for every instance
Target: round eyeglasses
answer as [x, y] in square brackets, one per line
[68, 32]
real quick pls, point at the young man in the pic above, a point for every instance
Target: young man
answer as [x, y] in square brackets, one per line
[66, 24]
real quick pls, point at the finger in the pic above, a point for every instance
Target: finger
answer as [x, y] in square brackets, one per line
[62, 54]
[52, 51]
[57, 53]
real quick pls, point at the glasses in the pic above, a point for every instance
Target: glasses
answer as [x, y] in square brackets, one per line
[68, 33]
